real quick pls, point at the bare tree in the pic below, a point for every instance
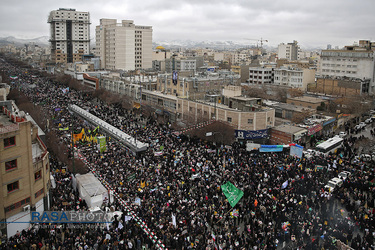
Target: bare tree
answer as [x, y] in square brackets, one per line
[295, 92]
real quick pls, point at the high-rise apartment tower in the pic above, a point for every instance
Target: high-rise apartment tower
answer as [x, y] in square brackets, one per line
[123, 46]
[70, 35]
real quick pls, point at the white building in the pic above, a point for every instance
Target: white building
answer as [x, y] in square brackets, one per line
[237, 58]
[352, 61]
[124, 45]
[70, 35]
[288, 51]
[261, 75]
[294, 77]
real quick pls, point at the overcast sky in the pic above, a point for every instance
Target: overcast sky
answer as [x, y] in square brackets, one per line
[311, 23]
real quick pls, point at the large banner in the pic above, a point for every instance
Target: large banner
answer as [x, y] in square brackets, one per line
[296, 151]
[314, 129]
[102, 144]
[271, 148]
[232, 193]
[251, 134]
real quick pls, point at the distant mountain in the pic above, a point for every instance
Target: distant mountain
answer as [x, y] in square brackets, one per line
[220, 45]
[41, 41]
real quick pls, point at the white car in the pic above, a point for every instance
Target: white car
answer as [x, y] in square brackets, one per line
[344, 174]
[368, 120]
[362, 124]
[343, 134]
[333, 184]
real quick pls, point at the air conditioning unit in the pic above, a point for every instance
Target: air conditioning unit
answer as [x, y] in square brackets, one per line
[26, 208]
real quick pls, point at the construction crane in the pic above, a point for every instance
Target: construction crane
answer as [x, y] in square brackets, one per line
[261, 40]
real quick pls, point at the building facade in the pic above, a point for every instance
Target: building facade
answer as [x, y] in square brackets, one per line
[288, 51]
[194, 87]
[341, 86]
[123, 46]
[351, 61]
[70, 35]
[294, 77]
[261, 75]
[25, 170]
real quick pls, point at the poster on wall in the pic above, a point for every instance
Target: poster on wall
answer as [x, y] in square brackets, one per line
[251, 134]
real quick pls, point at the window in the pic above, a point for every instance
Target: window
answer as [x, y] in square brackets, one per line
[13, 186]
[8, 142]
[11, 164]
[250, 121]
[229, 119]
[37, 194]
[17, 205]
[38, 175]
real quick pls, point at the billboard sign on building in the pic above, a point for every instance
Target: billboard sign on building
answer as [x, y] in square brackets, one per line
[314, 129]
[251, 134]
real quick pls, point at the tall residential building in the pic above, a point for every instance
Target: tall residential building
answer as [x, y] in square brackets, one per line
[24, 169]
[70, 35]
[352, 61]
[288, 51]
[123, 46]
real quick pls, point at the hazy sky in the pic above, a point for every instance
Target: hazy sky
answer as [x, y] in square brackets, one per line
[311, 23]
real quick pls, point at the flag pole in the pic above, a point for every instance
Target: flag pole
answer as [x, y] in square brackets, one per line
[225, 215]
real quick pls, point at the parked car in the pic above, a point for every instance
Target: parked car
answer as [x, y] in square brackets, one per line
[333, 184]
[368, 120]
[344, 174]
[360, 125]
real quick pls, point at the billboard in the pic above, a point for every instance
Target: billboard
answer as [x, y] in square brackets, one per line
[251, 134]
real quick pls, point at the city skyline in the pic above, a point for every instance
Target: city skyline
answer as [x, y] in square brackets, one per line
[312, 24]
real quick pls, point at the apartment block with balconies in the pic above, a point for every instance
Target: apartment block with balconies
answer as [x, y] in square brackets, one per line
[70, 35]
[24, 169]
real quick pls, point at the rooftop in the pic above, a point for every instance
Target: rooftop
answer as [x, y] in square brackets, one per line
[289, 129]
[308, 99]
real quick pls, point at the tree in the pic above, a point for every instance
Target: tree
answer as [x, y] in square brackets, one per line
[299, 117]
[295, 92]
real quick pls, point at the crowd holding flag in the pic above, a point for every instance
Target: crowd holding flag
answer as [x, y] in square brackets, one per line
[232, 193]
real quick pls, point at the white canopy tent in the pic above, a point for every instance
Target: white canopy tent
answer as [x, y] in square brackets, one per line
[91, 190]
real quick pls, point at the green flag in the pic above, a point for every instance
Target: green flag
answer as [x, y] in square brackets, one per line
[232, 193]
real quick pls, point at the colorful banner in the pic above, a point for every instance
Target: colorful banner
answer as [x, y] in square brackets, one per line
[314, 129]
[271, 148]
[232, 193]
[251, 134]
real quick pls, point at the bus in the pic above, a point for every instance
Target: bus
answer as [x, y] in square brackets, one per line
[330, 145]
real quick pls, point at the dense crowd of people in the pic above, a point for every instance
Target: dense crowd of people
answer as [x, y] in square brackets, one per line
[284, 202]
